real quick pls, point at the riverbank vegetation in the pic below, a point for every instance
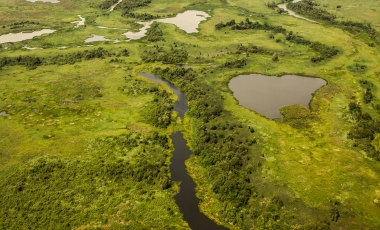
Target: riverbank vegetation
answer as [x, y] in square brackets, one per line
[84, 141]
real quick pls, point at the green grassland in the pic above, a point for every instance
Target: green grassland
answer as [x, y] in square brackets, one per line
[366, 11]
[80, 149]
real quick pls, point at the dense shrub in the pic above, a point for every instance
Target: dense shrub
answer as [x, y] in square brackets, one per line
[63, 193]
[107, 4]
[173, 55]
[364, 130]
[61, 59]
[21, 24]
[252, 49]
[154, 33]
[127, 6]
[368, 87]
[158, 112]
[237, 63]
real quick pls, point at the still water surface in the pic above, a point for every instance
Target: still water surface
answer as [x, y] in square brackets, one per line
[267, 94]
[187, 21]
[18, 37]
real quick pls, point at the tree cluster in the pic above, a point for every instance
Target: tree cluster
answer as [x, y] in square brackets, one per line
[364, 130]
[173, 55]
[158, 111]
[143, 16]
[252, 49]
[107, 4]
[61, 59]
[127, 6]
[368, 87]
[204, 103]
[222, 25]
[21, 24]
[65, 193]
[154, 33]
[237, 63]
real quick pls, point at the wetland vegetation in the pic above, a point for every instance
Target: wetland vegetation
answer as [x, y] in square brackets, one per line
[86, 141]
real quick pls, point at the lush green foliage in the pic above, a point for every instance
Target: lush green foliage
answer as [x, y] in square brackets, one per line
[127, 7]
[364, 130]
[203, 102]
[165, 55]
[21, 24]
[252, 49]
[52, 192]
[107, 4]
[71, 58]
[368, 88]
[158, 112]
[238, 63]
[154, 33]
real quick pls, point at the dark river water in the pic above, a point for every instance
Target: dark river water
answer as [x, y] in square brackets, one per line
[185, 199]
[267, 94]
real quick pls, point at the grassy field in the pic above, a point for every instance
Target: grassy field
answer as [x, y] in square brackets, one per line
[366, 11]
[72, 129]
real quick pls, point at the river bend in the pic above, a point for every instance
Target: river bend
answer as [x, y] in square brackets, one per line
[186, 199]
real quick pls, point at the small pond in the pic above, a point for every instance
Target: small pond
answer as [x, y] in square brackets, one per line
[139, 34]
[99, 38]
[79, 23]
[18, 37]
[267, 94]
[4, 114]
[187, 21]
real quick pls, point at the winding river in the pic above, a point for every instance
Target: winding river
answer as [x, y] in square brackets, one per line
[185, 199]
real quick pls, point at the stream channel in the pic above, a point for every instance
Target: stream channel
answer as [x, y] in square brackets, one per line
[185, 199]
